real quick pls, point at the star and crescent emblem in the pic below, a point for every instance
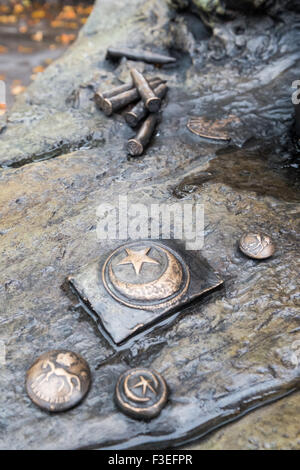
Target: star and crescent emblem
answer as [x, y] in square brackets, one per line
[141, 393]
[145, 275]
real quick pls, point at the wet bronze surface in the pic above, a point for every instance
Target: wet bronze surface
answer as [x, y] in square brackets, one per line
[161, 284]
[257, 245]
[141, 393]
[140, 282]
[58, 380]
[151, 101]
[118, 97]
[137, 145]
[139, 111]
[209, 129]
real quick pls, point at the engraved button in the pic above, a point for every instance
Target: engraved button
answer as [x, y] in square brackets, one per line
[216, 130]
[145, 275]
[58, 380]
[139, 283]
[257, 245]
[141, 393]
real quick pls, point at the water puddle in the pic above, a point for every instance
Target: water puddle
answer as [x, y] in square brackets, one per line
[246, 170]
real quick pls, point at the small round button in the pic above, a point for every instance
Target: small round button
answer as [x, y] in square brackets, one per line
[58, 380]
[257, 245]
[141, 393]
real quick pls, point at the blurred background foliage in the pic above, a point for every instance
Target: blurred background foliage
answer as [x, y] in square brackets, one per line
[32, 35]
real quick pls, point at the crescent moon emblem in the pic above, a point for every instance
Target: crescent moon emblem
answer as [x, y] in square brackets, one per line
[166, 285]
[157, 294]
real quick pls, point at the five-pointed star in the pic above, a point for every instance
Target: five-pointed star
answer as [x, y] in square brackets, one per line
[137, 258]
[145, 384]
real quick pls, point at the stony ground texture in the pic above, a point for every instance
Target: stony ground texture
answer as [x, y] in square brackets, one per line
[274, 427]
[237, 349]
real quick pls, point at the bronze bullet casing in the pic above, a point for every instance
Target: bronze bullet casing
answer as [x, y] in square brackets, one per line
[58, 380]
[257, 245]
[141, 393]
[137, 145]
[135, 54]
[109, 105]
[151, 101]
[101, 96]
[140, 111]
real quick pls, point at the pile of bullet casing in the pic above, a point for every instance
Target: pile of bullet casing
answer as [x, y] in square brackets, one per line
[148, 94]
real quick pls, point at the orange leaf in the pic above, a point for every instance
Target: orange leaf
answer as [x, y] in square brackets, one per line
[18, 8]
[57, 24]
[23, 29]
[8, 19]
[64, 24]
[38, 36]
[84, 10]
[25, 50]
[66, 38]
[38, 69]
[16, 90]
[71, 25]
[38, 14]
[4, 8]
[68, 13]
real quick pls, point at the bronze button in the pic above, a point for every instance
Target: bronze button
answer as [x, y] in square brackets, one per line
[58, 380]
[139, 283]
[145, 276]
[141, 393]
[209, 129]
[257, 245]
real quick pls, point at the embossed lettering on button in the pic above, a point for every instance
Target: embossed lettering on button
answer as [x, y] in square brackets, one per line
[141, 393]
[257, 245]
[58, 380]
[139, 282]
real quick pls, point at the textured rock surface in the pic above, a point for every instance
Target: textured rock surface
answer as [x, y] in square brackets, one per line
[228, 7]
[236, 350]
[275, 427]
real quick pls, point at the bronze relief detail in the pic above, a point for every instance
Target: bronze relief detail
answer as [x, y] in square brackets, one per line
[141, 393]
[212, 129]
[257, 245]
[145, 275]
[139, 283]
[58, 380]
